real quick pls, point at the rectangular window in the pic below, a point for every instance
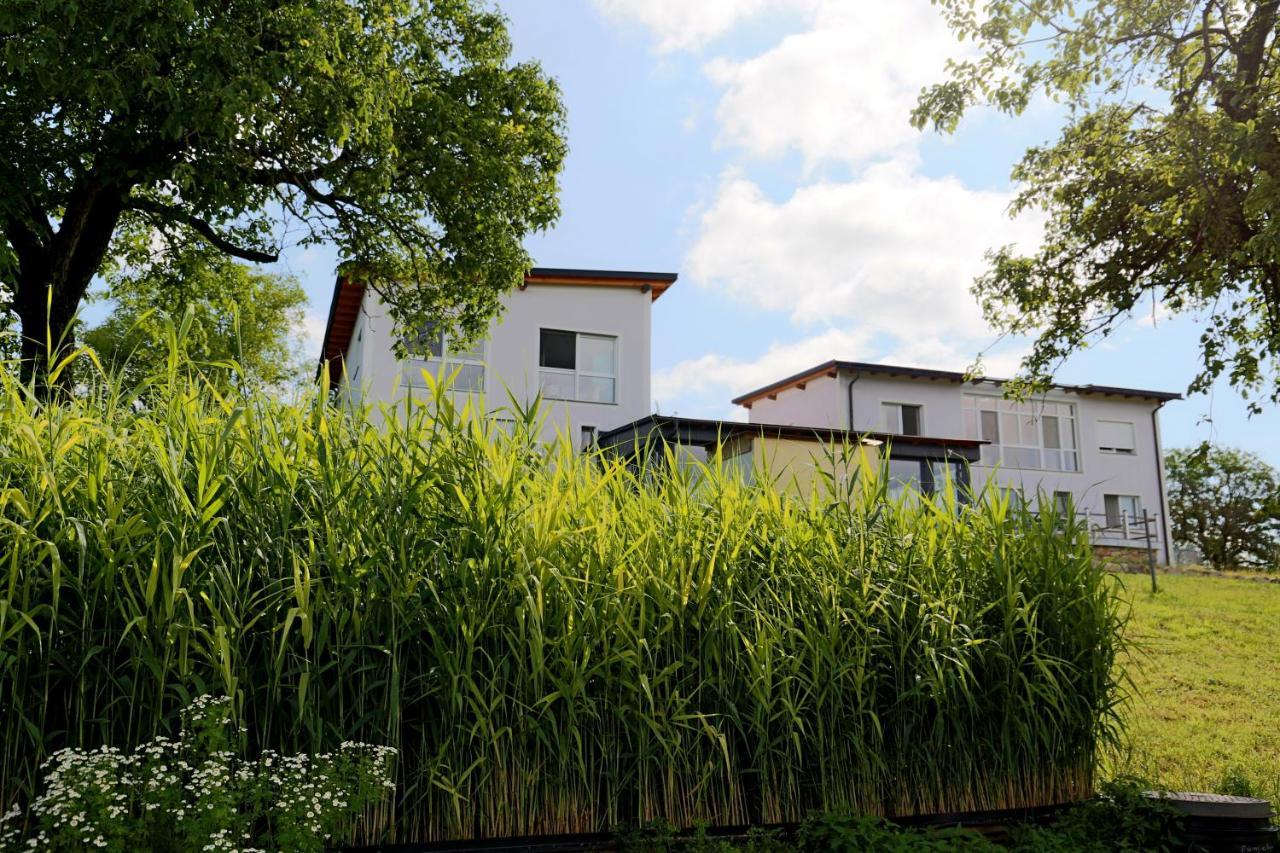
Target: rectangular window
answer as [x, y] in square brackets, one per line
[578, 366]
[1117, 437]
[589, 434]
[1122, 509]
[902, 418]
[1062, 504]
[1032, 434]
[904, 475]
[435, 352]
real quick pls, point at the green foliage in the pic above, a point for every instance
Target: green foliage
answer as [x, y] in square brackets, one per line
[241, 320]
[846, 834]
[1164, 186]
[195, 794]
[1235, 782]
[1119, 820]
[1226, 503]
[397, 130]
[554, 642]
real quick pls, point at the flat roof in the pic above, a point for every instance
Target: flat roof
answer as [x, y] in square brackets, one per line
[831, 368]
[348, 293]
[701, 432]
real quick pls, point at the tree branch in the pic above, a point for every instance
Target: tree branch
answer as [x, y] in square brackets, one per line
[204, 229]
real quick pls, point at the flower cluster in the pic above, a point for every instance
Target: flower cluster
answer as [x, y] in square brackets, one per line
[196, 793]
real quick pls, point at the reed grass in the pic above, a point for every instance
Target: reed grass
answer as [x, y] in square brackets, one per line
[555, 642]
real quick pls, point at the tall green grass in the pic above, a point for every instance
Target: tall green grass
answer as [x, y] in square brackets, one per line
[555, 642]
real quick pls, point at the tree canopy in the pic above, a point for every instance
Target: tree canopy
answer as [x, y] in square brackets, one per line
[1226, 503]
[240, 324]
[397, 130]
[1163, 188]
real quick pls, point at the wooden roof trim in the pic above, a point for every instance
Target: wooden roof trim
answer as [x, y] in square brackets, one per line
[800, 381]
[656, 287]
[344, 310]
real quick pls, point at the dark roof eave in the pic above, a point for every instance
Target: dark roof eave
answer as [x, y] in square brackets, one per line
[670, 426]
[939, 375]
[618, 275]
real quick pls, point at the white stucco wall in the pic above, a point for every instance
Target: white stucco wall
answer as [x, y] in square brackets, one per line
[818, 404]
[825, 403]
[511, 354]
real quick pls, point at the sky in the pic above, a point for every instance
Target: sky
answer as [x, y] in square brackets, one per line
[762, 149]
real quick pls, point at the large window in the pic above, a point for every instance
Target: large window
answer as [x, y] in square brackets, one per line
[1117, 437]
[901, 418]
[923, 476]
[577, 366]
[1032, 434]
[433, 351]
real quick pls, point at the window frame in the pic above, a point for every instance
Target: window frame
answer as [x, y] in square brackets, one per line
[578, 373]
[447, 362]
[919, 407]
[975, 408]
[1120, 520]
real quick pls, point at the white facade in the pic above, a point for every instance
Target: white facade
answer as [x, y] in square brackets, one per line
[582, 338]
[1096, 448]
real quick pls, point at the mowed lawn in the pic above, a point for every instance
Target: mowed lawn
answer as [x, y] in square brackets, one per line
[1207, 670]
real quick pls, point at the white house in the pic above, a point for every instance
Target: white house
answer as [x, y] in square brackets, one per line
[1092, 447]
[581, 337]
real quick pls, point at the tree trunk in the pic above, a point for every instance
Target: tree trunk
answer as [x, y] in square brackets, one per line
[47, 337]
[53, 277]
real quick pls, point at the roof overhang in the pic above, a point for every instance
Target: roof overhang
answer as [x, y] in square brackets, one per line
[697, 432]
[655, 283]
[832, 368]
[344, 309]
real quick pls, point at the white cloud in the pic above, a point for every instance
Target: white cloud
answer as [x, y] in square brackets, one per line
[310, 333]
[721, 377]
[843, 90]
[717, 379]
[688, 24]
[892, 250]
[878, 266]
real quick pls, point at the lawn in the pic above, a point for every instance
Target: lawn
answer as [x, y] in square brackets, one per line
[1208, 676]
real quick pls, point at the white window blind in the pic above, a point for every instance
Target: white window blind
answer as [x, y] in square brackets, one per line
[1116, 437]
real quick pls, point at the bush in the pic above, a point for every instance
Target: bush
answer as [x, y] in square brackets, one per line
[1119, 820]
[554, 642]
[193, 794]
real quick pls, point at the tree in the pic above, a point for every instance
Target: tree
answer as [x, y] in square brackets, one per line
[1164, 186]
[232, 313]
[396, 129]
[1226, 503]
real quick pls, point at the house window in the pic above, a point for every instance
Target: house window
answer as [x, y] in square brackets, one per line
[1062, 504]
[1117, 437]
[901, 418]
[1029, 434]
[904, 475]
[589, 434]
[434, 351]
[577, 366]
[1121, 509]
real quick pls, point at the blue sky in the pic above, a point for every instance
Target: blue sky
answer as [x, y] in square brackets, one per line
[761, 149]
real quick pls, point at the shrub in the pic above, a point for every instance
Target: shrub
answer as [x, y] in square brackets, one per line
[554, 642]
[1119, 820]
[194, 794]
